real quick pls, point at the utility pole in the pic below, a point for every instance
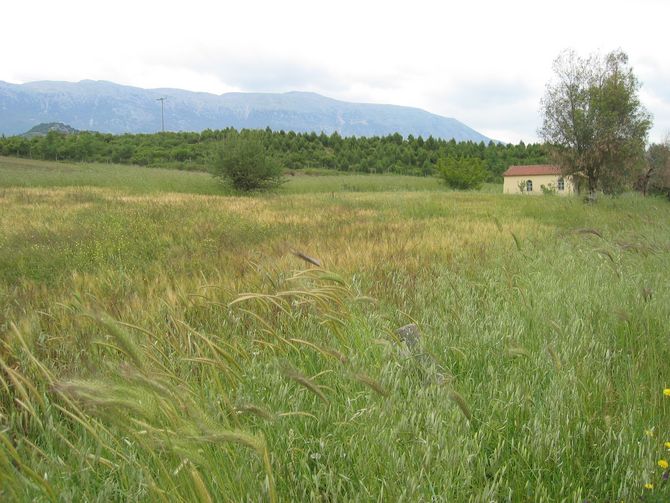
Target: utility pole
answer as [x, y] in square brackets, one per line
[162, 100]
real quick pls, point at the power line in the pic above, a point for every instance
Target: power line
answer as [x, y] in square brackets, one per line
[162, 100]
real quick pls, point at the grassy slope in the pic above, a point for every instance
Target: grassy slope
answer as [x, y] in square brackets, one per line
[543, 358]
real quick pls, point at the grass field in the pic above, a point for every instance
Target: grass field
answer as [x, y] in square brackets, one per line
[15, 172]
[159, 340]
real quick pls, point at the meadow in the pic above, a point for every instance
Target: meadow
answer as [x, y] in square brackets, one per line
[164, 340]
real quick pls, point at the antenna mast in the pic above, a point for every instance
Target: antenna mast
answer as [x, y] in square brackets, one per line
[162, 100]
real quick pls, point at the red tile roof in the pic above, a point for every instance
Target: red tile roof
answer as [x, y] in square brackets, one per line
[537, 169]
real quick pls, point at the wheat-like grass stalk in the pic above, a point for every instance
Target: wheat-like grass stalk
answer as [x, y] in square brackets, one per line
[371, 383]
[462, 404]
[305, 382]
[200, 487]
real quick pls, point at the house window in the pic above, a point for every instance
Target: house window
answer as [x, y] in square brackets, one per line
[561, 184]
[529, 185]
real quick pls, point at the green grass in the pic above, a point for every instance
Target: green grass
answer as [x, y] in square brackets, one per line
[160, 343]
[304, 184]
[15, 172]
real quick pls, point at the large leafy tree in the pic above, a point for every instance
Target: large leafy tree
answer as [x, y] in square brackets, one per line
[593, 119]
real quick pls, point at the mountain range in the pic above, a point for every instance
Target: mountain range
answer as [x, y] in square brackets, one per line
[113, 108]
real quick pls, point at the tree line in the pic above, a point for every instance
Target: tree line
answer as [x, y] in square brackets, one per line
[292, 151]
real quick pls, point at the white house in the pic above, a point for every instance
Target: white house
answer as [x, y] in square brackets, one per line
[536, 179]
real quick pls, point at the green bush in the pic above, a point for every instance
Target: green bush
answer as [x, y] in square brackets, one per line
[549, 190]
[462, 173]
[244, 163]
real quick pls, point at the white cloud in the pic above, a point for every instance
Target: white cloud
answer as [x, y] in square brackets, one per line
[482, 62]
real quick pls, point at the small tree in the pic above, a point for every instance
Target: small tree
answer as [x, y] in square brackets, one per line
[593, 120]
[462, 174]
[244, 163]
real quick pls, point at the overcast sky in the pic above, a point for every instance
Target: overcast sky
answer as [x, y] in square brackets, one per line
[482, 62]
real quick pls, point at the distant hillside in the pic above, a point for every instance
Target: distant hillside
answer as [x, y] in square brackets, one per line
[44, 128]
[112, 108]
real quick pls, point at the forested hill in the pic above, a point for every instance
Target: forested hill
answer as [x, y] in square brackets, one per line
[43, 129]
[112, 108]
[195, 151]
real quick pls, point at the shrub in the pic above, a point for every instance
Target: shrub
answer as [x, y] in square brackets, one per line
[244, 163]
[548, 190]
[463, 173]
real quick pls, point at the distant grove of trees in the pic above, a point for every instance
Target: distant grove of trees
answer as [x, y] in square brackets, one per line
[292, 151]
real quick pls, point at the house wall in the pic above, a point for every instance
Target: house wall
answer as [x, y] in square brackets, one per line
[511, 184]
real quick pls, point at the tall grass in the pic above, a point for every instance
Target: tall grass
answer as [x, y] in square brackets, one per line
[174, 346]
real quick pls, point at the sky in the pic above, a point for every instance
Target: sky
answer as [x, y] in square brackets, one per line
[485, 63]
